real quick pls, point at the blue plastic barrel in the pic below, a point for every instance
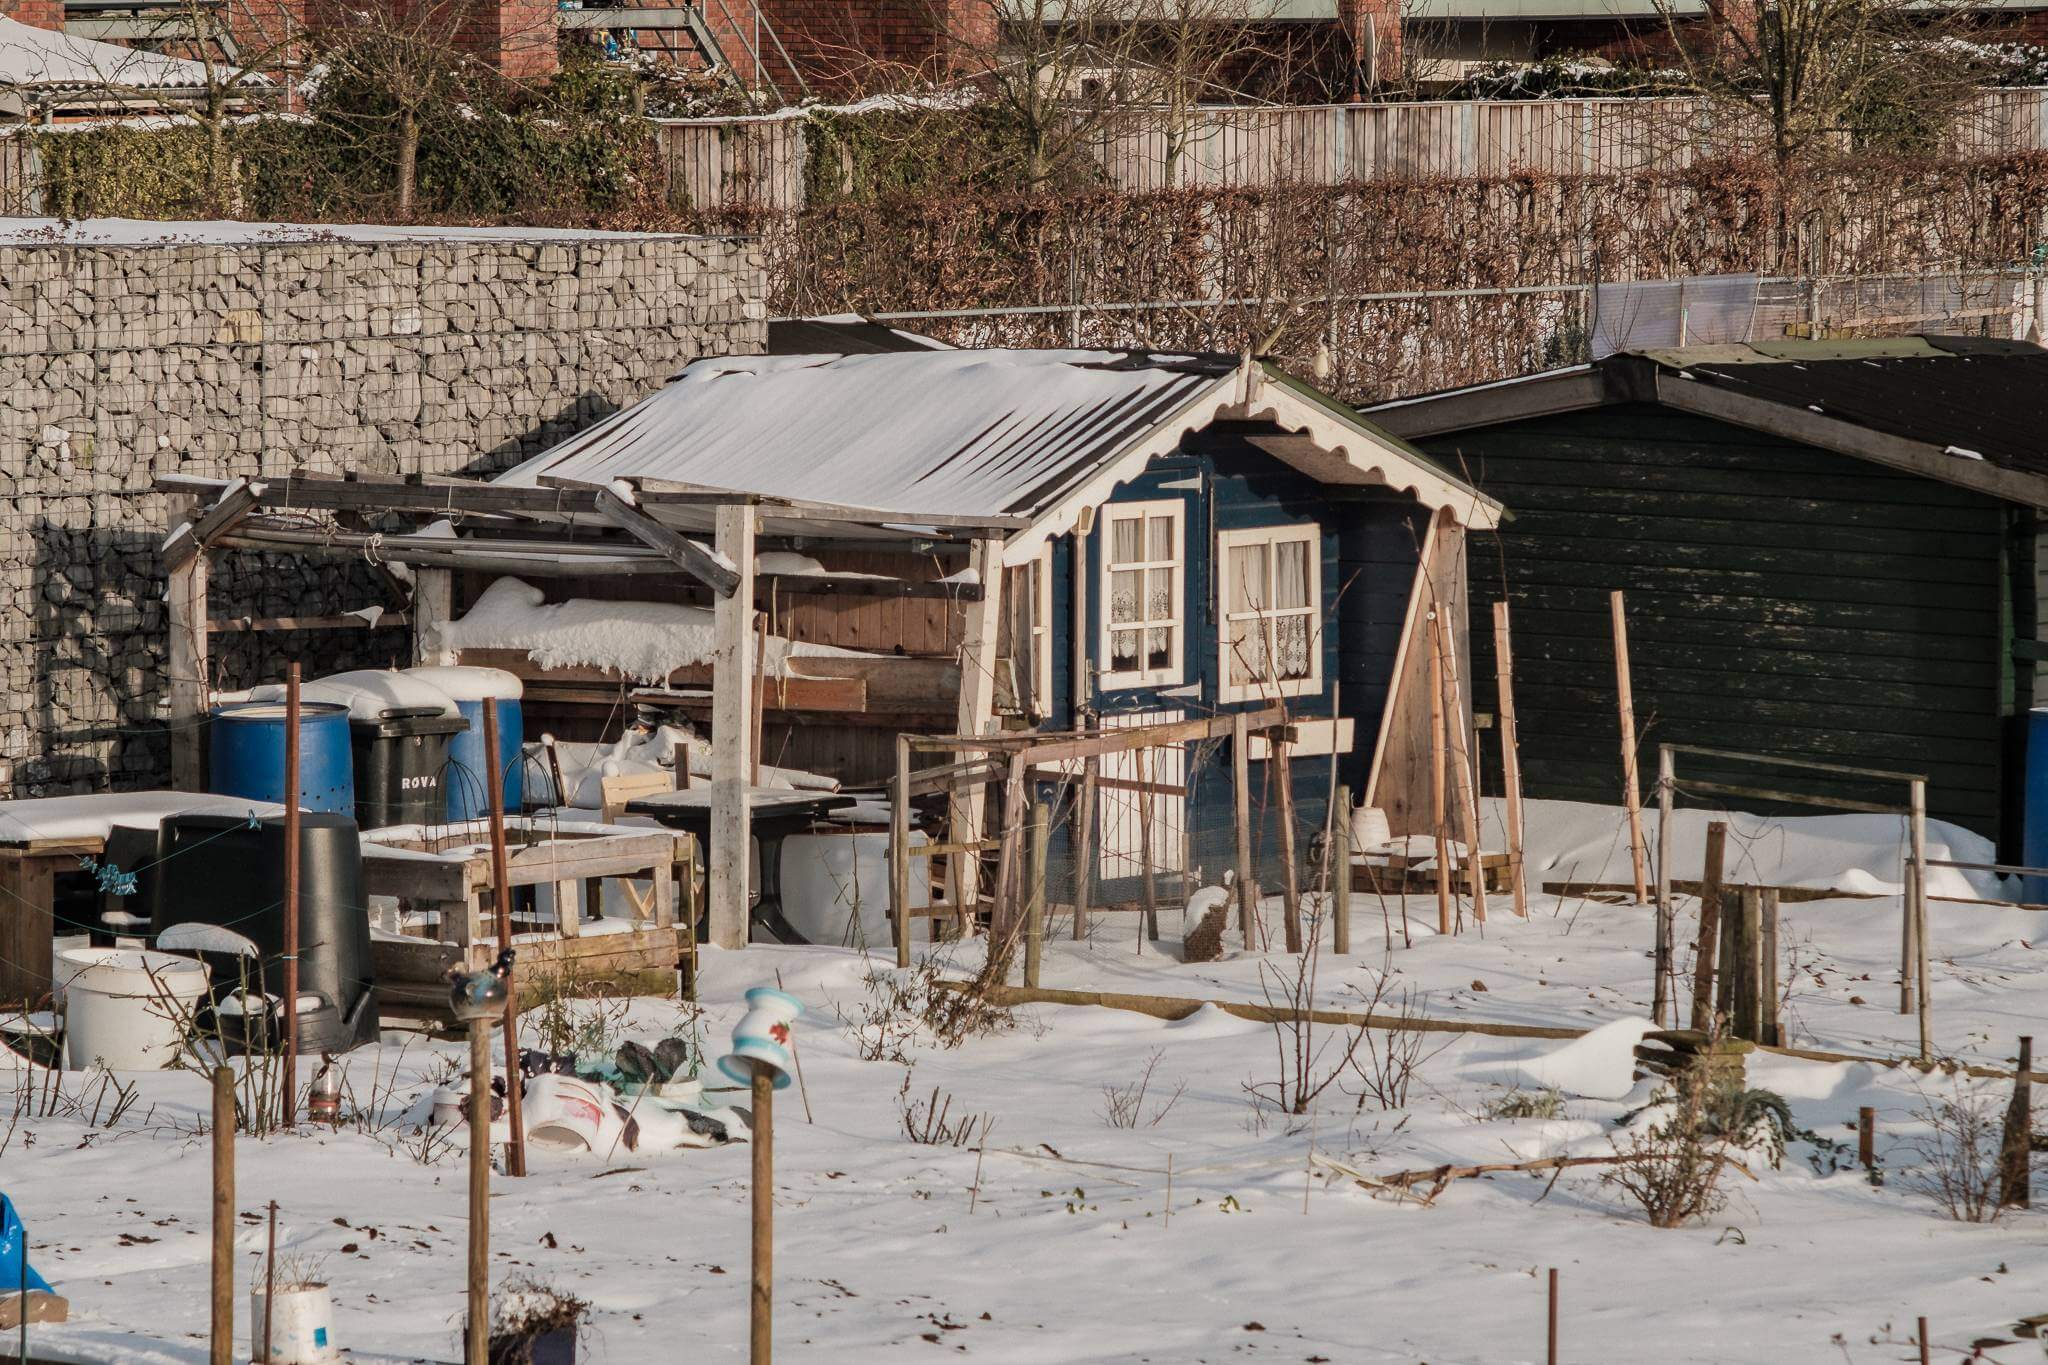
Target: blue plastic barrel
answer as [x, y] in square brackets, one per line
[468, 797]
[2035, 850]
[247, 753]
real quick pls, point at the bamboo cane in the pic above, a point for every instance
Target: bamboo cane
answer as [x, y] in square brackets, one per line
[1510, 756]
[501, 882]
[1630, 789]
[1436, 779]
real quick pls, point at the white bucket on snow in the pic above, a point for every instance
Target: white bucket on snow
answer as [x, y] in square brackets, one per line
[301, 1326]
[1369, 829]
[127, 1008]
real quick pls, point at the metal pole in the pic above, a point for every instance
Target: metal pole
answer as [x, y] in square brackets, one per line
[501, 881]
[1666, 769]
[288, 1101]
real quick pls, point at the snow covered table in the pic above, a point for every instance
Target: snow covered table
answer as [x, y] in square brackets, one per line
[447, 869]
[45, 836]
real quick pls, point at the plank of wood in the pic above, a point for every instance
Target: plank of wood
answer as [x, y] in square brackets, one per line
[250, 625]
[713, 572]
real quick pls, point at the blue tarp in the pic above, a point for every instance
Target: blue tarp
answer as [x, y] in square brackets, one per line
[14, 1253]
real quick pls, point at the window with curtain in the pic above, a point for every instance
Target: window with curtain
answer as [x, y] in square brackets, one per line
[1269, 590]
[1027, 599]
[1144, 563]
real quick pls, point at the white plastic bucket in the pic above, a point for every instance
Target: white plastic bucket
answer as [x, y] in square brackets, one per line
[301, 1328]
[827, 877]
[127, 1008]
[1369, 830]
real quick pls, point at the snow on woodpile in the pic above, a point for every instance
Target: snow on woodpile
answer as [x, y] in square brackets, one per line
[646, 641]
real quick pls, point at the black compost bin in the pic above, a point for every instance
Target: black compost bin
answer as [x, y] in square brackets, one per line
[399, 762]
[222, 870]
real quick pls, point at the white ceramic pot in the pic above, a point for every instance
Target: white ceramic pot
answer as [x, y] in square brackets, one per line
[301, 1327]
[762, 1036]
[1369, 830]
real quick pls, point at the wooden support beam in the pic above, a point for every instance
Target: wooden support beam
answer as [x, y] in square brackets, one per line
[1631, 790]
[732, 732]
[216, 521]
[720, 575]
[433, 606]
[1241, 820]
[805, 509]
[1710, 928]
[843, 585]
[976, 707]
[264, 625]
[185, 600]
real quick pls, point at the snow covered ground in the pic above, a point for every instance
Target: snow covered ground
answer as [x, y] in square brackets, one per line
[1054, 1244]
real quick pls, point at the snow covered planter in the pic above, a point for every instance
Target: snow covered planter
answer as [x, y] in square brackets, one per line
[533, 1324]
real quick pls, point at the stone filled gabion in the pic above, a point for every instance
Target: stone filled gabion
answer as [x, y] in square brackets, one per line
[122, 363]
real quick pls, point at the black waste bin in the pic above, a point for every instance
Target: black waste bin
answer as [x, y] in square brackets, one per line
[399, 762]
[222, 870]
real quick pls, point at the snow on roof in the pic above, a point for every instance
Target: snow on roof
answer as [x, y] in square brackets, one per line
[144, 232]
[945, 432]
[32, 56]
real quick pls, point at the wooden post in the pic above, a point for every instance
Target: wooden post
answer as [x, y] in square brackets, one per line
[1710, 913]
[1918, 822]
[1747, 967]
[1551, 1354]
[1338, 844]
[501, 883]
[1003, 919]
[185, 684]
[433, 605]
[1926, 1348]
[1906, 932]
[1866, 1137]
[1462, 754]
[1773, 1034]
[223, 1325]
[1290, 885]
[979, 622]
[2014, 1186]
[1148, 893]
[477, 1336]
[1034, 888]
[1662, 1008]
[1084, 844]
[1436, 777]
[269, 1291]
[762, 1302]
[732, 733]
[1241, 817]
[1630, 792]
[288, 1098]
[760, 698]
[1510, 756]
[899, 850]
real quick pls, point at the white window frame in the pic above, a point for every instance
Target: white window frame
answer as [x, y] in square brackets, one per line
[1173, 674]
[1269, 536]
[1038, 625]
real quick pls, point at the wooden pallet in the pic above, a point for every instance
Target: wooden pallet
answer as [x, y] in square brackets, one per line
[1397, 874]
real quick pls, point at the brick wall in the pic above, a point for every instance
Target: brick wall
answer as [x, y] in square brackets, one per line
[439, 355]
[47, 14]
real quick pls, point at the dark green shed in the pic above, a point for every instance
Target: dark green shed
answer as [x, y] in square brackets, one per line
[1827, 550]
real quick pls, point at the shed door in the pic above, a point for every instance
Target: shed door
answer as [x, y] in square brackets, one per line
[1121, 838]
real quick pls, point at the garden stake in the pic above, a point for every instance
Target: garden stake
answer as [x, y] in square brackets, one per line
[222, 1347]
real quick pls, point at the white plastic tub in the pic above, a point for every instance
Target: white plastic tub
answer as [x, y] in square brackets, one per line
[127, 1009]
[835, 889]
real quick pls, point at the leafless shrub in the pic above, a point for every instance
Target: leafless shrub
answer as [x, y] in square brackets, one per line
[1673, 1168]
[1391, 1057]
[900, 1007]
[1305, 1070]
[1123, 1106]
[1959, 1154]
[929, 1122]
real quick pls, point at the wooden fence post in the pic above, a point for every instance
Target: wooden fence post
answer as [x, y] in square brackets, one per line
[1630, 789]
[1918, 831]
[223, 1316]
[501, 881]
[1710, 915]
[1290, 885]
[1462, 753]
[1241, 780]
[1662, 1008]
[899, 850]
[1084, 845]
[1510, 756]
[1034, 888]
[1866, 1137]
[477, 1336]
[761, 1295]
[1338, 849]
[1436, 778]
[1773, 1034]
[2016, 1154]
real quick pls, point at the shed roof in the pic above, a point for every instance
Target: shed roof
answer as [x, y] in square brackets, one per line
[1964, 410]
[43, 58]
[962, 433]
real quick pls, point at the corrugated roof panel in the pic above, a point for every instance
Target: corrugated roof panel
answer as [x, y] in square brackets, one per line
[969, 433]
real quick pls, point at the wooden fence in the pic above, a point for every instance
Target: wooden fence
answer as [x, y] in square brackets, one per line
[20, 177]
[759, 162]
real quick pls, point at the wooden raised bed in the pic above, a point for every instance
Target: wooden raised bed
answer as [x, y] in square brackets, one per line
[447, 869]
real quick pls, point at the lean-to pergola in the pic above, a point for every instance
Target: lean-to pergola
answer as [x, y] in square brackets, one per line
[567, 529]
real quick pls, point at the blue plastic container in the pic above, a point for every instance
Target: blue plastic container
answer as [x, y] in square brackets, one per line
[247, 754]
[468, 797]
[2034, 852]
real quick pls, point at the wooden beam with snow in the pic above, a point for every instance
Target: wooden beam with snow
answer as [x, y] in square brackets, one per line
[216, 521]
[319, 493]
[717, 572]
[806, 509]
[433, 606]
[732, 730]
[976, 707]
[258, 625]
[185, 599]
